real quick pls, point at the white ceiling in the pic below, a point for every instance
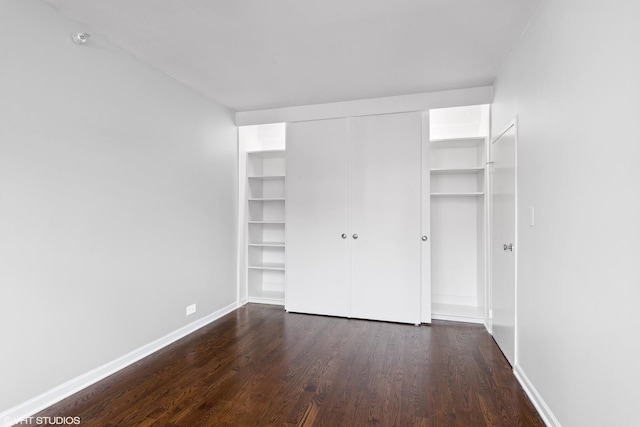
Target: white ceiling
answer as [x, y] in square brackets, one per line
[255, 54]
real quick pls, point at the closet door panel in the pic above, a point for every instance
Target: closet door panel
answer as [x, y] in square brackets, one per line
[386, 205]
[317, 214]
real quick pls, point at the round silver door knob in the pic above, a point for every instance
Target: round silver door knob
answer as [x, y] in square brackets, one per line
[355, 236]
[424, 238]
[344, 236]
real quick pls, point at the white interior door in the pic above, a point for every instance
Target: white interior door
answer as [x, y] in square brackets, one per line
[386, 163]
[503, 226]
[318, 213]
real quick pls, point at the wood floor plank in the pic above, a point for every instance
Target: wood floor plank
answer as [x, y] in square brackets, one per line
[261, 366]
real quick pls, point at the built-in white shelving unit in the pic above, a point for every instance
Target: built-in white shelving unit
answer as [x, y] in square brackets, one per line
[265, 195]
[457, 183]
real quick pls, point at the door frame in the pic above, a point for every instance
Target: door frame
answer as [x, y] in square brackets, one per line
[425, 247]
[513, 123]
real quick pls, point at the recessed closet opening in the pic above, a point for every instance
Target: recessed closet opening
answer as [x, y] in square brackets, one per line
[458, 153]
[261, 232]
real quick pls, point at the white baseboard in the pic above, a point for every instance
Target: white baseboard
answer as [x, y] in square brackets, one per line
[454, 318]
[454, 300]
[56, 394]
[545, 413]
[268, 301]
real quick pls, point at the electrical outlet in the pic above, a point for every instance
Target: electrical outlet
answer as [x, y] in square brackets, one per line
[490, 313]
[191, 309]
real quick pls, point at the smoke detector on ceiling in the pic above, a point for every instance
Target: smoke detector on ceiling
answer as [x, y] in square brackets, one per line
[80, 38]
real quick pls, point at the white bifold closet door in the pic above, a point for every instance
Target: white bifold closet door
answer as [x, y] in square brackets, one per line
[353, 217]
[318, 213]
[386, 203]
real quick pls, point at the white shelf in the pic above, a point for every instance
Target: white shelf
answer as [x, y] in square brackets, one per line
[267, 154]
[268, 266]
[266, 199]
[268, 245]
[267, 177]
[451, 171]
[457, 313]
[465, 194]
[267, 222]
[475, 141]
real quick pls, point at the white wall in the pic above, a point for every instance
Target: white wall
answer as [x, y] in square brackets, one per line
[574, 83]
[117, 202]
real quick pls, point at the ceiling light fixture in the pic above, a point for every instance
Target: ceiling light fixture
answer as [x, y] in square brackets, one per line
[80, 38]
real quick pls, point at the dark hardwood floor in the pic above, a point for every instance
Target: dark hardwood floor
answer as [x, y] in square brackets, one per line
[261, 366]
